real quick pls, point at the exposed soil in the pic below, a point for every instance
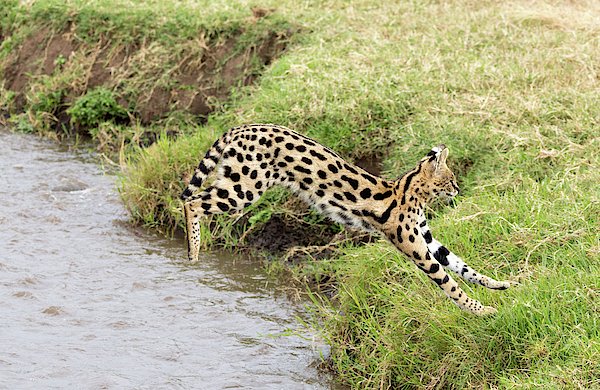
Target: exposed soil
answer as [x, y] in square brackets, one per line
[200, 77]
[279, 235]
[371, 163]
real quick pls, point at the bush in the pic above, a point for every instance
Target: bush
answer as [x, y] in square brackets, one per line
[97, 106]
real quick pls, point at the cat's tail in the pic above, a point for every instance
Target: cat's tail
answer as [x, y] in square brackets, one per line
[207, 165]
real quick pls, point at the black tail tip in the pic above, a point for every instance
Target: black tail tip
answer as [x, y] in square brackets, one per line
[186, 194]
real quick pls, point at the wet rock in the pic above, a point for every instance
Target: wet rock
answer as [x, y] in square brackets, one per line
[69, 184]
[53, 311]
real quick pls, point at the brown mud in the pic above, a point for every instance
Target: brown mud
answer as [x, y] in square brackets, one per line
[200, 74]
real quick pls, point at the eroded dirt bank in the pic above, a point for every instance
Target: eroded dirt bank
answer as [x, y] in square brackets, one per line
[92, 70]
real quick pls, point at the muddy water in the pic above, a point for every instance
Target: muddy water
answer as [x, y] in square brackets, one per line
[87, 302]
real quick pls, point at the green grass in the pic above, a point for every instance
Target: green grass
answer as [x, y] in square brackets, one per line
[512, 89]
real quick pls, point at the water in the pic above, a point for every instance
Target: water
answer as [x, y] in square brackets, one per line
[88, 302]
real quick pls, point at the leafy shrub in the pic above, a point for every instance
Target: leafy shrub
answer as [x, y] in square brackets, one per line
[97, 106]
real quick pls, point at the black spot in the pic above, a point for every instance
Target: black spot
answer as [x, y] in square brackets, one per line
[321, 174]
[222, 193]
[281, 164]
[223, 206]
[337, 184]
[264, 166]
[411, 238]
[307, 160]
[366, 193]
[203, 168]
[301, 148]
[245, 170]
[254, 174]
[320, 193]
[249, 195]
[317, 155]
[323, 186]
[401, 217]
[350, 196]
[258, 185]
[407, 181]
[289, 159]
[332, 168]
[232, 152]
[434, 268]
[386, 215]
[302, 169]
[428, 238]
[249, 157]
[237, 188]
[309, 142]
[232, 202]
[279, 139]
[240, 157]
[422, 224]
[369, 178]
[336, 204]
[441, 255]
[251, 148]
[206, 206]
[416, 231]
[303, 186]
[351, 169]
[186, 194]
[407, 227]
[382, 196]
[399, 233]
[416, 256]
[196, 181]
[353, 182]
[464, 270]
[269, 143]
[307, 180]
[289, 146]
[259, 157]
[235, 177]
[262, 141]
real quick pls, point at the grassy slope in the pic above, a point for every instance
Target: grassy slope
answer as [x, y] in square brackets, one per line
[513, 90]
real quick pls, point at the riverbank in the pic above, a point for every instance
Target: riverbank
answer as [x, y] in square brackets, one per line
[511, 88]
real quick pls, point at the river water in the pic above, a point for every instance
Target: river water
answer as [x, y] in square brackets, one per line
[88, 302]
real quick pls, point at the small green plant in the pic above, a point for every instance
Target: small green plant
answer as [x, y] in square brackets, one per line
[97, 106]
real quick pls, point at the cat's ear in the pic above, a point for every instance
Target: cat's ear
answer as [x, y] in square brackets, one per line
[438, 156]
